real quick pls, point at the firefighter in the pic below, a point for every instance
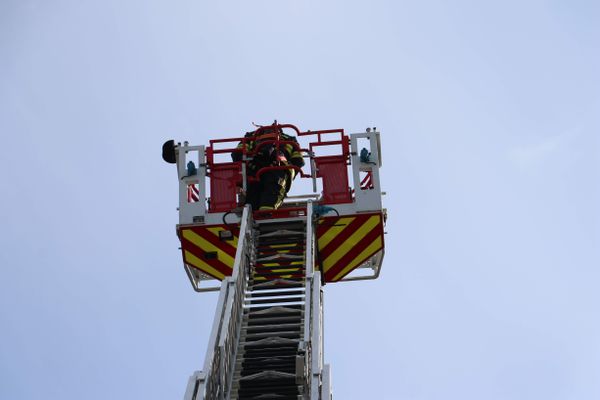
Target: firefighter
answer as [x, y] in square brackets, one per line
[268, 192]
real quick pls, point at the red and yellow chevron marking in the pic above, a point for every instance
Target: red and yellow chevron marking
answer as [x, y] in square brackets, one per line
[279, 270]
[203, 249]
[345, 242]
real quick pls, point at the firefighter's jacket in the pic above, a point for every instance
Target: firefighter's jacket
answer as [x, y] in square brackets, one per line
[257, 145]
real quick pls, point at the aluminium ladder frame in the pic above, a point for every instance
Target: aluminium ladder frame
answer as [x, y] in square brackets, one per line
[215, 381]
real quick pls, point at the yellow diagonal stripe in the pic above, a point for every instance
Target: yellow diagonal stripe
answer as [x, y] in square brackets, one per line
[275, 264]
[262, 278]
[216, 229]
[207, 246]
[372, 248]
[335, 230]
[201, 265]
[351, 242]
[278, 271]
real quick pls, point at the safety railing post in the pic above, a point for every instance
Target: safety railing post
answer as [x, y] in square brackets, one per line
[189, 212]
[366, 199]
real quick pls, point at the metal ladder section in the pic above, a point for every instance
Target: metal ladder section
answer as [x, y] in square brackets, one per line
[267, 340]
[272, 327]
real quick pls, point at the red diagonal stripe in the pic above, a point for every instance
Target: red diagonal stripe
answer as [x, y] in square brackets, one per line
[193, 266]
[198, 252]
[349, 256]
[343, 235]
[365, 179]
[214, 240]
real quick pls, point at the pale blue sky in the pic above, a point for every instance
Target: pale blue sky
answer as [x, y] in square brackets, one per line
[489, 113]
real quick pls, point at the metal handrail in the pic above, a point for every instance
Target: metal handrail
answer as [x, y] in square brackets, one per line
[232, 327]
[316, 332]
[220, 356]
[242, 165]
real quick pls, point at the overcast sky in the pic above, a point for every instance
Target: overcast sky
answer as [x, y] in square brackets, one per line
[490, 121]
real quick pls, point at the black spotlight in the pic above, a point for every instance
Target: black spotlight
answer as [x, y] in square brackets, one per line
[169, 152]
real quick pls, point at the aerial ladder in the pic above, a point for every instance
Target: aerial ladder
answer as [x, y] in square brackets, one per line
[270, 266]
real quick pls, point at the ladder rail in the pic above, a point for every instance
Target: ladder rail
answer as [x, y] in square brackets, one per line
[218, 379]
[314, 312]
[231, 329]
[214, 381]
[316, 362]
[201, 381]
[326, 392]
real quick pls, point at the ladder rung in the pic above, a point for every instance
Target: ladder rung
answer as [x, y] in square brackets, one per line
[280, 233]
[279, 293]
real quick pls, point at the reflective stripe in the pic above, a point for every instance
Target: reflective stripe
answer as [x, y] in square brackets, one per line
[281, 196]
[246, 146]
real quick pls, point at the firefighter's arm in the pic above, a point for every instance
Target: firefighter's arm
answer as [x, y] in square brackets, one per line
[238, 153]
[295, 156]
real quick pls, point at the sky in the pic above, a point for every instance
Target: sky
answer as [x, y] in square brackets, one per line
[490, 120]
